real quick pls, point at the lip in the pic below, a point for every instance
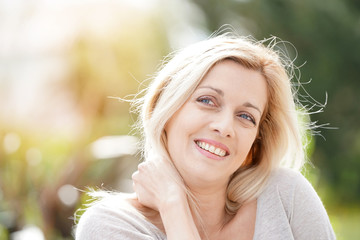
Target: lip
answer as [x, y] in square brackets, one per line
[215, 144]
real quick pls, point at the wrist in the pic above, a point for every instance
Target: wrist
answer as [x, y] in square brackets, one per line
[177, 219]
[173, 202]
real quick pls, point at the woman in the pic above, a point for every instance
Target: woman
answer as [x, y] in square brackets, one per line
[221, 142]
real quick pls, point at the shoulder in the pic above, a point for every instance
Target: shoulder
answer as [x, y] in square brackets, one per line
[113, 217]
[284, 183]
[292, 189]
[281, 190]
[286, 177]
[290, 193]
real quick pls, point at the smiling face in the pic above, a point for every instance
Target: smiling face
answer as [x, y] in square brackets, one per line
[210, 136]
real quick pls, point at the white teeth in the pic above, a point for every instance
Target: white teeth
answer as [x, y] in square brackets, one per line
[212, 149]
[218, 151]
[222, 153]
[206, 146]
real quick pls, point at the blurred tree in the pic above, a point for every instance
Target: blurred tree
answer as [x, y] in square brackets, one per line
[115, 45]
[326, 35]
[111, 49]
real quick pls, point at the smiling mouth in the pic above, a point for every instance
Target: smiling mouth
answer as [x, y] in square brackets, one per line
[212, 149]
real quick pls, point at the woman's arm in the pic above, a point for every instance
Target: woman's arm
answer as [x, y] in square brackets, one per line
[309, 219]
[158, 186]
[178, 221]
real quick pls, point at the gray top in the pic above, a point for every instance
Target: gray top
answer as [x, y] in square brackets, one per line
[288, 208]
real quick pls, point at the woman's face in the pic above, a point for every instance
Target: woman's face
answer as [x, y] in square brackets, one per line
[210, 136]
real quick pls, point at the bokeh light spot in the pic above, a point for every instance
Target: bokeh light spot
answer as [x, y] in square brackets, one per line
[12, 142]
[68, 195]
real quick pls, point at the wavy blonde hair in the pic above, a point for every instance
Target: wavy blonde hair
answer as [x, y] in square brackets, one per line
[279, 140]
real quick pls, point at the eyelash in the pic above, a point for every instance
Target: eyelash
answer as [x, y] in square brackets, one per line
[248, 117]
[205, 100]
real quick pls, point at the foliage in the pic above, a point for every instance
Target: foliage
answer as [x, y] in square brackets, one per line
[37, 161]
[326, 36]
[43, 163]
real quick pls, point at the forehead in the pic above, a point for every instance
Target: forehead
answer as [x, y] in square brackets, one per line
[236, 83]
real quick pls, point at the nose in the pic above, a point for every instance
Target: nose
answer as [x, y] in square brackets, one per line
[223, 124]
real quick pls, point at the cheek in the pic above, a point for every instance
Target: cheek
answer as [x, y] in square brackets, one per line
[175, 139]
[171, 142]
[245, 144]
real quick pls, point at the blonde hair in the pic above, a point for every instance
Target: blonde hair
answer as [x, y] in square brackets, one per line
[279, 140]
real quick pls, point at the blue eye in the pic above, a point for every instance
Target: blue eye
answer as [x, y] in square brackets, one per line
[247, 117]
[206, 101]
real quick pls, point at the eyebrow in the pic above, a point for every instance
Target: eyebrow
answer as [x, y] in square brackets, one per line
[247, 104]
[220, 92]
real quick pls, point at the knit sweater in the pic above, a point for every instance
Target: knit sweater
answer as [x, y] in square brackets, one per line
[288, 208]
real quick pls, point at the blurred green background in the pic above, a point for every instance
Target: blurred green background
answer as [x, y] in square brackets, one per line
[63, 63]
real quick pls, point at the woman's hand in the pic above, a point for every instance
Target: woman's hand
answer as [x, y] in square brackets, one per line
[158, 184]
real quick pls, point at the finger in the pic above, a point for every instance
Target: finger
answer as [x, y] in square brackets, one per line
[142, 166]
[135, 176]
[137, 190]
[134, 186]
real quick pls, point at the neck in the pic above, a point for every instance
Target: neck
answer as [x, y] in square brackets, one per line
[211, 208]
